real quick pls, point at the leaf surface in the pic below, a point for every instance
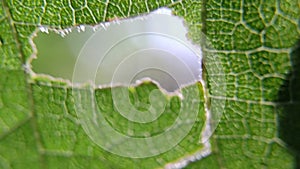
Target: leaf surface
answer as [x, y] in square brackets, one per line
[253, 42]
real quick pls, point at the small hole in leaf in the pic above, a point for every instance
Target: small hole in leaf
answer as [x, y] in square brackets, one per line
[152, 46]
[1, 41]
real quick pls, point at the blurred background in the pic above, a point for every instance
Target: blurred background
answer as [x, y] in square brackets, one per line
[122, 52]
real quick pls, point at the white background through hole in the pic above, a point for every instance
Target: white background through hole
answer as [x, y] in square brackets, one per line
[152, 46]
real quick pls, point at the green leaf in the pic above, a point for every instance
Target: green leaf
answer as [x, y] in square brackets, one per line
[251, 43]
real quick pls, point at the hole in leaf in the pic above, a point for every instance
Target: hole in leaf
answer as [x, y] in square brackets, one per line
[121, 52]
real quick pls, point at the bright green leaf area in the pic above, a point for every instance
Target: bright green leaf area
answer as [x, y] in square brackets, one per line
[254, 41]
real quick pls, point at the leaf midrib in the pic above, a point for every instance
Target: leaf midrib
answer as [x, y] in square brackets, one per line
[32, 118]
